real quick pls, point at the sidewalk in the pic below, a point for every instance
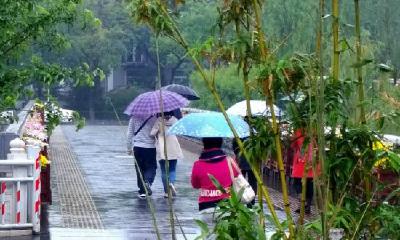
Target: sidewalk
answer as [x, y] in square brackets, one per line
[98, 183]
[94, 189]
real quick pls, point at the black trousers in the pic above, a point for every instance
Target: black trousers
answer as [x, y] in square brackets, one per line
[309, 189]
[147, 164]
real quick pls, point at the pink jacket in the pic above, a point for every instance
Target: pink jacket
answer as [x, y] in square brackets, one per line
[212, 162]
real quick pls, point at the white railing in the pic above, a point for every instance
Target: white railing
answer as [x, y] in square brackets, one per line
[20, 187]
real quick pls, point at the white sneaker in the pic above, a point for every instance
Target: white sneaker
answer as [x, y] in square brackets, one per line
[142, 195]
[173, 189]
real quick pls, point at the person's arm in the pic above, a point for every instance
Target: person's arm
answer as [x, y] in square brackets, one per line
[131, 131]
[195, 176]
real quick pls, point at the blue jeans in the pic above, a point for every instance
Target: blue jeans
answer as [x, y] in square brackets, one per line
[171, 172]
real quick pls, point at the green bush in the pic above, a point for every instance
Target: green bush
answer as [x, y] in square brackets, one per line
[115, 102]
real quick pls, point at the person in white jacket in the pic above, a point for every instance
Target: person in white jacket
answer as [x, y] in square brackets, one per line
[141, 144]
[174, 151]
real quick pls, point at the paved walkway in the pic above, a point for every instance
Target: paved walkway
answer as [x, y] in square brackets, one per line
[94, 189]
[108, 189]
[74, 199]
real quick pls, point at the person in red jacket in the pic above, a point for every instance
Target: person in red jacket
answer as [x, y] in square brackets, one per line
[212, 161]
[301, 158]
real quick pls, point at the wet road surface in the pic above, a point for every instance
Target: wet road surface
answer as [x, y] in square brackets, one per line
[95, 191]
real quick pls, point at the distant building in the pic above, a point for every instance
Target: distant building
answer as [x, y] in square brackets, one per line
[138, 68]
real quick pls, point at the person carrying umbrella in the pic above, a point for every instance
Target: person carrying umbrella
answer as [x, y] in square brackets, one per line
[212, 161]
[139, 140]
[174, 151]
[142, 144]
[211, 127]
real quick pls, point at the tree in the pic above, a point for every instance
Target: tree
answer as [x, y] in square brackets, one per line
[23, 24]
[196, 20]
[100, 37]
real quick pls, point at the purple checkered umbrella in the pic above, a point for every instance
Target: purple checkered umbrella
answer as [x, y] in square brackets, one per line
[147, 104]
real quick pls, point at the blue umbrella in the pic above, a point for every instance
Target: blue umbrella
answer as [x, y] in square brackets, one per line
[209, 124]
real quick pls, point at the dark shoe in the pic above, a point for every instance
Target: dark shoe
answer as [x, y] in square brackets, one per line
[307, 210]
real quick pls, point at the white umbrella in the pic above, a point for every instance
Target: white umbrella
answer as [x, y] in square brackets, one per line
[392, 138]
[258, 108]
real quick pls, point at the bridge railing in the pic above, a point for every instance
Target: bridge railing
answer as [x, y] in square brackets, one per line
[20, 188]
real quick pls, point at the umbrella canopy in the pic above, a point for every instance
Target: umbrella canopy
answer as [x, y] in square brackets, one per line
[392, 138]
[147, 104]
[209, 124]
[184, 91]
[258, 108]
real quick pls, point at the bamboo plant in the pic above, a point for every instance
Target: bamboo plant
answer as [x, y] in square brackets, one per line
[323, 100]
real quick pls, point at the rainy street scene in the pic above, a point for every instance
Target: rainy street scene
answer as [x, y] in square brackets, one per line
[199, 120]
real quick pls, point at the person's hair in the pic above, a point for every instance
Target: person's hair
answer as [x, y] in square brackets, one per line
[170, 113]
[212, 142]
[166, 114]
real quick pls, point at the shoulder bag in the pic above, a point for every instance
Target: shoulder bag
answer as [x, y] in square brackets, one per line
[141, 126]
[240, 182]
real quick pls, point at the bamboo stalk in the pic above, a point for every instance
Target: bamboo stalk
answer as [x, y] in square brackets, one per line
[171, 208]
[361, 98]
[179, 38]
[281, 168]
[359, 56]
[270, 102]
[303, 194]
[245, 71]
[149, 203]
[260, 34]
[335, 33]
[321, 180]
[363, 215]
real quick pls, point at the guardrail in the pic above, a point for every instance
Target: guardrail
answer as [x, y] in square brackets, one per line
[14, 130]
[20, 187]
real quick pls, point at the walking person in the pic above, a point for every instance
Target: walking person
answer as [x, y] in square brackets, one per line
[142, 144]
[300, 160]
[174, 151]
[245, 168]
[212, 161]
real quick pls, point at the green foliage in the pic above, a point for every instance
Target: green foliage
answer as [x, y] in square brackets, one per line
[234, 220]
[228, 84]
[116, 101]
[261, 144]
[388, 219]
[346, 184]
[28, 26]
